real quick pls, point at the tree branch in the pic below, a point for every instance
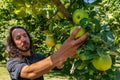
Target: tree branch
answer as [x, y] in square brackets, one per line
[62, 9]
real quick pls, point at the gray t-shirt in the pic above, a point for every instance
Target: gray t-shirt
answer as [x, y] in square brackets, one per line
[14, 65]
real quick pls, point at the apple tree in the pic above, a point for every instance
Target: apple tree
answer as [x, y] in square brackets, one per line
[50, 22]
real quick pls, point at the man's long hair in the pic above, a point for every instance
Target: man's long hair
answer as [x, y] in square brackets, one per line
[11, 47]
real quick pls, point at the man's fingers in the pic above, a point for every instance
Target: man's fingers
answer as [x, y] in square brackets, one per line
[82, 39]
[72, 36]
[79, 45]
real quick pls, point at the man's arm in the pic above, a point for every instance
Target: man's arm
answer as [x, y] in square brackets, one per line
[68, 49]
[39, 68]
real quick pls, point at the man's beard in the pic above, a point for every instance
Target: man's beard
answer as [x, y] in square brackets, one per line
[25, 48]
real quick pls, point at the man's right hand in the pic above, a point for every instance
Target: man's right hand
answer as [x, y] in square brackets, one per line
[69, 47]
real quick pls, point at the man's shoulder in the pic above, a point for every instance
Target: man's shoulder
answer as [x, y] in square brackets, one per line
[12, 60]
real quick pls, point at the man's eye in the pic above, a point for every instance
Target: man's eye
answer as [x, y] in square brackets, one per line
[18, 37]
[25, 35]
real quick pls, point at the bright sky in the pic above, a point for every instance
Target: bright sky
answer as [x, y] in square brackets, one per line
[89, 1]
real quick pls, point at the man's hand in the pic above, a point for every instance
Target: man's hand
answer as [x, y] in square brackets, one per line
[69, 47]
[60, 65]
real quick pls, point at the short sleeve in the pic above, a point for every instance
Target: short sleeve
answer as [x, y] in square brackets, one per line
[14, 67]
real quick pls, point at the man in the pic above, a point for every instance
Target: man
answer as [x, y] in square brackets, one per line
[24, 64]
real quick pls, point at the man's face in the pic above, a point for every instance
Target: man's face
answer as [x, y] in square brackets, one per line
[21, 39]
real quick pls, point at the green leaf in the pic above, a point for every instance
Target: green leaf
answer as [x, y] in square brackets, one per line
[90, 46]
[87, 56]
[92, 14]
[108, 37]
[106, 27]
[101, 51]
[84, 21]
[97, 25]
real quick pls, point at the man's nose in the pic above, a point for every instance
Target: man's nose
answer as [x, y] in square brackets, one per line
[23, 38]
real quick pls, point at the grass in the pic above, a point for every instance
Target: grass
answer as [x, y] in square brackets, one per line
[4, 75]
[55, 75]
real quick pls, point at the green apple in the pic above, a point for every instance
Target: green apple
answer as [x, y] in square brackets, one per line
[102, 63]
[80, 33]
[49, 41]
[78, 15]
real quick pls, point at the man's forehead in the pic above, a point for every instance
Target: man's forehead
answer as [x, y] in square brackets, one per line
[18, 31]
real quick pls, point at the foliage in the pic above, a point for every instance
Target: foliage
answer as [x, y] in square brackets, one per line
[44, 17]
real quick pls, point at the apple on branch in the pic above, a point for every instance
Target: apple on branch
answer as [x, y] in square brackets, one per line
[80, 33]
[78, 15]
